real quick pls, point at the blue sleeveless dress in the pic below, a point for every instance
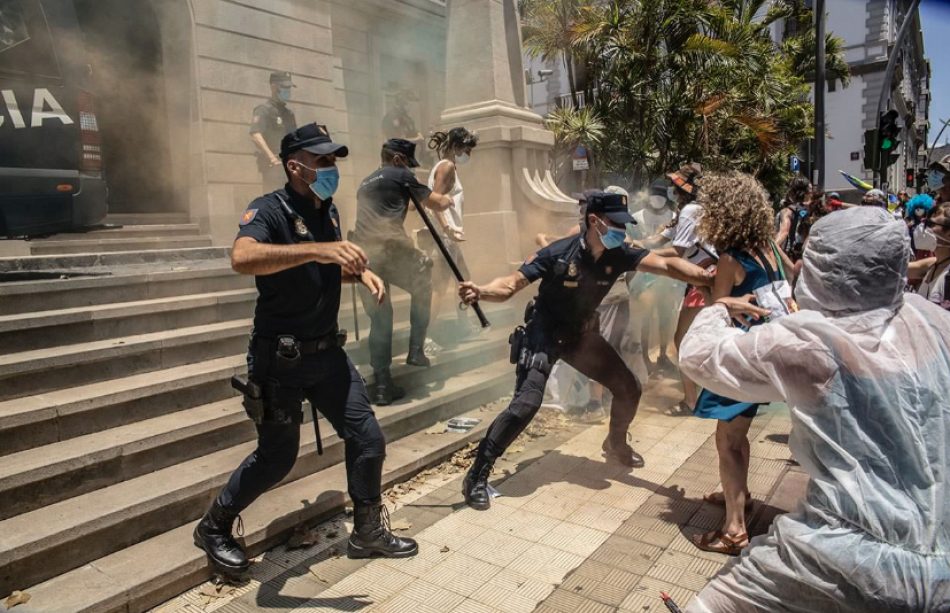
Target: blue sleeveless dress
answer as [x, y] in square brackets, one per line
[714, 406]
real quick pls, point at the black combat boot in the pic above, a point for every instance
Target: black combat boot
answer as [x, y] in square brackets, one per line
[385, 392]
[417, 357]
[372, 536]
[475, 485]
[616, 448]
[213, 535]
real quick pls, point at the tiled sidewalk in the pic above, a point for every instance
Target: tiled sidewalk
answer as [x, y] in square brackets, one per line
[569, 533]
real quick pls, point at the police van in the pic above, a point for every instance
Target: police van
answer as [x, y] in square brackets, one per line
[51, 172]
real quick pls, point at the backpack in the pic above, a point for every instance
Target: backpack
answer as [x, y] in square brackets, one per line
[795, 241]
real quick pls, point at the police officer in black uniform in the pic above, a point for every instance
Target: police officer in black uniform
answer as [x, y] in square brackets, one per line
[290, 240]
[576, 272]
[382, 203]
[270, 122]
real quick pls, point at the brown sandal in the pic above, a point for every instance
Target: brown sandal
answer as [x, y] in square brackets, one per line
[718, 542]
[718, 499]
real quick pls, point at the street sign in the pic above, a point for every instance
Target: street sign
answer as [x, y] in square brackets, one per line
[794, 163]
[579, 158]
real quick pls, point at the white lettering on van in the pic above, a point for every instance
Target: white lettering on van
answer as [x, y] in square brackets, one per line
[41, 99]
[13, 108]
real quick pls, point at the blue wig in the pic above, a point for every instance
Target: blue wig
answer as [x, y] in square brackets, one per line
[920, 201]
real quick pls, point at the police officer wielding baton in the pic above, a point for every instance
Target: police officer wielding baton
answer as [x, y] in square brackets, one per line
[290, 241]
[576, 272]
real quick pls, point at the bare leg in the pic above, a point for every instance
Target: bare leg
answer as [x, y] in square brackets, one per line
[732, 443]
[687, 315]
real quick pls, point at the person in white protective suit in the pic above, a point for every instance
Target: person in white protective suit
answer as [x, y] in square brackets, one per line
[865, 370]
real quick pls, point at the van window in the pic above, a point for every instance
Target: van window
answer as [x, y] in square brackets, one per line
[25, 43]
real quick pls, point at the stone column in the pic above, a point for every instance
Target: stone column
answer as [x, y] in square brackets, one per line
[509, 196]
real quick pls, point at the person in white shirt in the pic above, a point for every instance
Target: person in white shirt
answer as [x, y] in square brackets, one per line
[684, 242]
[454, 149]
[656, 298]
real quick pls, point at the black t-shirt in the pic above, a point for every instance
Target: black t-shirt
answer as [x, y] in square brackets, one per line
[573, 284]
[303, 301]
[382, 202]
[272, 120]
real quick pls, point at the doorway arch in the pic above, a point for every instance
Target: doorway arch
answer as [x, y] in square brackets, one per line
[142, 75]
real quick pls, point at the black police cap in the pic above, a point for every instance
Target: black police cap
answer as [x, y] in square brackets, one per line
[611, 206]
[405, 147]
[659, 187]
[314, 138]
[282, 77]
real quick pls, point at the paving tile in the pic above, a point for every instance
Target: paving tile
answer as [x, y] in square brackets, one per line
[705, 567]
[522, 585]
[506, 600]
[404, 604]
[527, 525]
[432, 595]
[473, 606]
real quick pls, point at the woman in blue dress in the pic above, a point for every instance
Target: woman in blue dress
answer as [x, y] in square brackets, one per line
[738, 223]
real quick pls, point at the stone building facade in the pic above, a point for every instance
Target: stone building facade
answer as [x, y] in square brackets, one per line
[349, 60]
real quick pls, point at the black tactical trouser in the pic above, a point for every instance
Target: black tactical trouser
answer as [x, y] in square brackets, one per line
[399, 263]
[593, 357]
[334, 387]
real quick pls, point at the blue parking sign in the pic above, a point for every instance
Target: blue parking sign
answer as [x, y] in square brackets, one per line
[794, 163]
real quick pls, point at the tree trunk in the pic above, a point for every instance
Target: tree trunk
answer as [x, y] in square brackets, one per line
[569, 64]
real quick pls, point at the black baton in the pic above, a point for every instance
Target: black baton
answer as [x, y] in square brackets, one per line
[445, 253]
[316, 430]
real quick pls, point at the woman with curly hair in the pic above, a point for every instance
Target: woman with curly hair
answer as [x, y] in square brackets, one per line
[738, 223]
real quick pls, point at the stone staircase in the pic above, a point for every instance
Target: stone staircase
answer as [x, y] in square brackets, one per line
[125, 233]
[118, 424]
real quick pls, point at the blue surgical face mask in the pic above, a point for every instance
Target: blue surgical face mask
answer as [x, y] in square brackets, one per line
[326, 182]
[613, 238]
[934, 180]
[283, 93]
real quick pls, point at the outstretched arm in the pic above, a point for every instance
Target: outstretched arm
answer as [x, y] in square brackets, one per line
[497, 290]
[675, 268]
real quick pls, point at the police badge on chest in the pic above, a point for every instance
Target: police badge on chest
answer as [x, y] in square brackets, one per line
[300, 227]
[571, 280]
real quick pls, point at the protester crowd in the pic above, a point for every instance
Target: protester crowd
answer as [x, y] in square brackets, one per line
[839, 310]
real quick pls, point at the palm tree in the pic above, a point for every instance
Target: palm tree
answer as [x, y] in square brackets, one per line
[547, 27]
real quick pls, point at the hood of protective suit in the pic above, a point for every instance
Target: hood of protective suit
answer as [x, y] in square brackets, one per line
[855, 260]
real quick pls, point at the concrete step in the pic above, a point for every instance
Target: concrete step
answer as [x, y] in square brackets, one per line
[41, 329]
[44, 475]
[146, 219]
[60, 246]
[61, 413]
[132, 231]
[188, 278]
[47, 542]
[42, 370]
[152, 571]
[77, 261]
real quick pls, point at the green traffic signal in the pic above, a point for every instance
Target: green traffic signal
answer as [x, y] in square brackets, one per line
[888, 143]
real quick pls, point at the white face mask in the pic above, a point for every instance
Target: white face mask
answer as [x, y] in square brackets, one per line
[657, 202]
[462, 158]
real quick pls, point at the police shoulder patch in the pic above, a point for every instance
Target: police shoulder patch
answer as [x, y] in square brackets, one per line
[248, 216]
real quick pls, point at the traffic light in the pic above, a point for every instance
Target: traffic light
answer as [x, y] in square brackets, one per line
[870, 153]
[910, 178]
[888, 130]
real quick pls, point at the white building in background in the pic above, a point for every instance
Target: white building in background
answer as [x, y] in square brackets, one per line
[869, 29]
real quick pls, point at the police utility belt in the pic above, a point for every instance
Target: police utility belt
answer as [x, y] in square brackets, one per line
[522, 353]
